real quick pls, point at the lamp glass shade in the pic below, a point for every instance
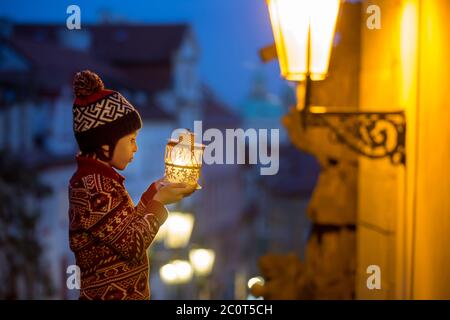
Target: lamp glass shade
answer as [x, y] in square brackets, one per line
[304, 33]
[323, 17]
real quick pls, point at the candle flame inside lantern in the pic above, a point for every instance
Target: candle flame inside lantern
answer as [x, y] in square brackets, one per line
[183, 159]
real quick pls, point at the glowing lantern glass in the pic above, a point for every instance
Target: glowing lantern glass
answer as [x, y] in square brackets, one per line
[303, 32]
[183, 159]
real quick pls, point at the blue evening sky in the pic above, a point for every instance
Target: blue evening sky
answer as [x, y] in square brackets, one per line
[229, 32]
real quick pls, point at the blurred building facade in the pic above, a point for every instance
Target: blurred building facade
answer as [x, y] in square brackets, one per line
[399, 213]
[403, 212]
[238, 213]
[155, 67]
[275, 215]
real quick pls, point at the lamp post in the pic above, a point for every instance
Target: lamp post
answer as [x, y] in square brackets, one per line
[304, 31]
[202, 261]
[176, 272]
[176, 234]
[255, 285]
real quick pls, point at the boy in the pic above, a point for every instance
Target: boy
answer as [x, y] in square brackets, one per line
[108, 234]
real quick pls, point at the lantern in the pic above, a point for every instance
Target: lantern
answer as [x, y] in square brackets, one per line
[303, 32]
[183, 159]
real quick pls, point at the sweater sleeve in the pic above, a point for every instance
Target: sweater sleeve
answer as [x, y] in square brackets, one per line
[113, 219]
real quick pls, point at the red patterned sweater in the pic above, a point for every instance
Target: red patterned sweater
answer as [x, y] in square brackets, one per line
[109, 235]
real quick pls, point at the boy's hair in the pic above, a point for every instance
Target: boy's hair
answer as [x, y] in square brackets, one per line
[100, 116]
[100, 153]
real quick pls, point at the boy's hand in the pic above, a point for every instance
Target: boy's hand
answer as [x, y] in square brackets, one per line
[172, 192]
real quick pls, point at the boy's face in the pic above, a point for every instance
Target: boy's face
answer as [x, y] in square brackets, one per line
[124, 151]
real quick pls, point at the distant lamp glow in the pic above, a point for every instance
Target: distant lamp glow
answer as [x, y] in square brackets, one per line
[303, 32]
[255, 280]
[202, 260]
[168, 273]
[178, 229]
[176, 272]
[183, 159]
[183, 270]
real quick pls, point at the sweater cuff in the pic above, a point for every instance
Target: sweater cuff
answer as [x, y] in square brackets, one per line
[148, 195]
[159, 210]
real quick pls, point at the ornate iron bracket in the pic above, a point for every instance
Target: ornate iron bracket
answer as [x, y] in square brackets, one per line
[374, 134]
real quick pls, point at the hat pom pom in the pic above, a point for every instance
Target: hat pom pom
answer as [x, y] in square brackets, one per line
[86, 83]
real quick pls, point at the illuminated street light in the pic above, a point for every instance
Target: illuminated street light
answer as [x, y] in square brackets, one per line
[255, 280]
[176, 272]
[202, 260]
[304, 33]
[179, 229]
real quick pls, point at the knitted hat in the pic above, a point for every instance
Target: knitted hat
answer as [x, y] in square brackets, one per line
[100, 116]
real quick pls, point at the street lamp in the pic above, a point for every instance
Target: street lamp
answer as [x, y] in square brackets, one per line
[176, 272]
[202, 260]
[168, 274]
[255, 280]
[178, 229]
[304, 31]
[256, 286]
